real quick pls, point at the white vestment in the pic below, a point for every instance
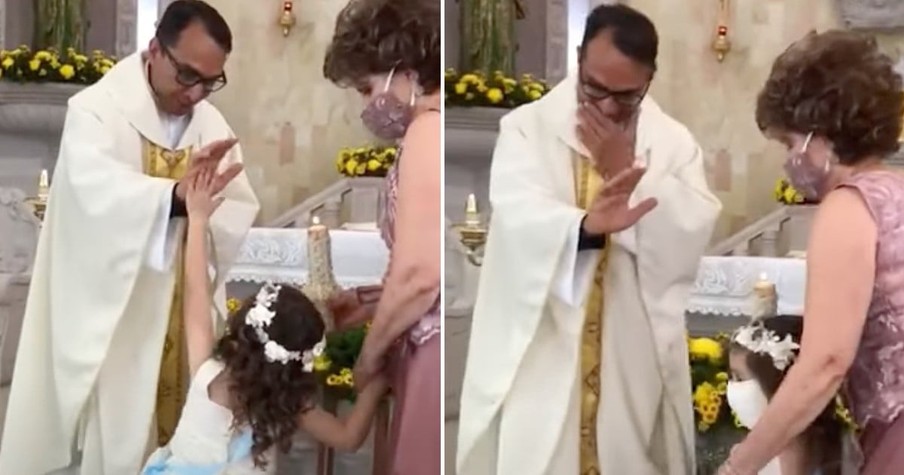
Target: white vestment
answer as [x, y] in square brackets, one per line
[520, 408]
[89, 357]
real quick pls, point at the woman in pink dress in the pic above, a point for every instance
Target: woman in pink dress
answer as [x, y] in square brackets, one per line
[834, 100]
[389, 50]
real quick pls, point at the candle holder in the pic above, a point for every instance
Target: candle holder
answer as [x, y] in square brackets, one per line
[472, 235]
[39, 203]
[287, 17]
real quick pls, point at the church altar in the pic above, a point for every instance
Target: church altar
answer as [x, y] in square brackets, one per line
[724, 285]
[280, 255]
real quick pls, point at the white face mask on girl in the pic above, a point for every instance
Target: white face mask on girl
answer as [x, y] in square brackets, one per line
[747, 400]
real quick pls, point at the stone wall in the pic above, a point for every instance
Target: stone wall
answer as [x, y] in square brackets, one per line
[291, 121]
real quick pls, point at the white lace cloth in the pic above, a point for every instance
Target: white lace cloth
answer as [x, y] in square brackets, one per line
[724, 285]
[280, 254]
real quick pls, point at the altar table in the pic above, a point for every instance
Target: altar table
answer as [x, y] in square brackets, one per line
[724, 285]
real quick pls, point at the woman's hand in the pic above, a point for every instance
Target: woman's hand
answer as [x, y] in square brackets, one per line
[368, 367]
[200, 202]
[347, 309]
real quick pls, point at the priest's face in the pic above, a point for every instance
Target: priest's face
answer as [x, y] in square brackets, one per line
[615, 82]
[186, 72]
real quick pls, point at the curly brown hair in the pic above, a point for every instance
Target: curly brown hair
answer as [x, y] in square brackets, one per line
[838, 85]
[373, 36]
[268, 396]
[824, 436]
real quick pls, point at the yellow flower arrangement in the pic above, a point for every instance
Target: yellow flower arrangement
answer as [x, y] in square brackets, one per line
[233, 305]
[497, 90]
[709, 375]
[23, 65]
[786, 194]
[366, 161]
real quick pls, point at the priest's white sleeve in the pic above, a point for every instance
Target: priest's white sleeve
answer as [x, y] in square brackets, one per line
[163, 237]
[569, 286]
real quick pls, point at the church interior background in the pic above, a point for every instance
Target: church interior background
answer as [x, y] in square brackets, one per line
[292, 125]
[760, 238]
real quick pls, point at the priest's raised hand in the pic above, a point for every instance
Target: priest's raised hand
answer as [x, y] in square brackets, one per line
[611, 210]
[206, 160]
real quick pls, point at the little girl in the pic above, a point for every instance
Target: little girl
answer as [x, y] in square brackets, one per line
[760, 355]
[254, 388]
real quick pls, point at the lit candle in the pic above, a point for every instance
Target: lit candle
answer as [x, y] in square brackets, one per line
[764, 287]
[319, 259]
[765, 300]
[472, 217]
[43, 186]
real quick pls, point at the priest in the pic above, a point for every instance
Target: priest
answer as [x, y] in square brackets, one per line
[577, 362]
[100, 375]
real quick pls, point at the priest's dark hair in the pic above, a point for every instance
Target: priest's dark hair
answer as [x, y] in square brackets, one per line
[633, 34]
[181, 14]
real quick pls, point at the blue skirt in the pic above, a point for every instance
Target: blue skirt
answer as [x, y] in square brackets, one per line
[161, 462]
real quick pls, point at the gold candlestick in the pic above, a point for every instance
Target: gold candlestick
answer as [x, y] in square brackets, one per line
[321, 284]
[39, 202]
[473, 236]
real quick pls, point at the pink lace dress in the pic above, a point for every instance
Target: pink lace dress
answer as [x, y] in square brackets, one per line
[415, 443]
[875, 381]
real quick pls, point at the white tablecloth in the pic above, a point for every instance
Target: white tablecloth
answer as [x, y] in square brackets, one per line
[280, 255]
[724, 285]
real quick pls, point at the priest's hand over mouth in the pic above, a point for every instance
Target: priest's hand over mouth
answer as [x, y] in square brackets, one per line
[610, 211]
[208, 159]
[611, 144]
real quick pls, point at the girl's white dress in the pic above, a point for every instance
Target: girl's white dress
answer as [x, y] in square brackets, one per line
[205, 442]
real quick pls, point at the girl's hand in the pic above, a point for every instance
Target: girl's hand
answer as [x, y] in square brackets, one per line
[200, 202]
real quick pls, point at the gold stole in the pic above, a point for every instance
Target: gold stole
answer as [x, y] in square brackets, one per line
[587, 185]
[172, 385]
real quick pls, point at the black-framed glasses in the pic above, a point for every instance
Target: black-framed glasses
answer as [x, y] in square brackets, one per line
[597, 92]
[187, 76]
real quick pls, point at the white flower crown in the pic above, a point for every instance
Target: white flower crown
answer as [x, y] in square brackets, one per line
[760, 340]
[260, 316]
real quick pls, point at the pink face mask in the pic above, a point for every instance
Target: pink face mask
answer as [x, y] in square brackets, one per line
[805, 177]
[386, 116]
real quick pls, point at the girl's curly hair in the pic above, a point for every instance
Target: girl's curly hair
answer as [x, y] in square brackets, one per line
[839, 85]
[374, 36]
[269, 396]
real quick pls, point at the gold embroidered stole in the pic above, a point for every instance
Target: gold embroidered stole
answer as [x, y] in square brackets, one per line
[172, 386]
[587, 184]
